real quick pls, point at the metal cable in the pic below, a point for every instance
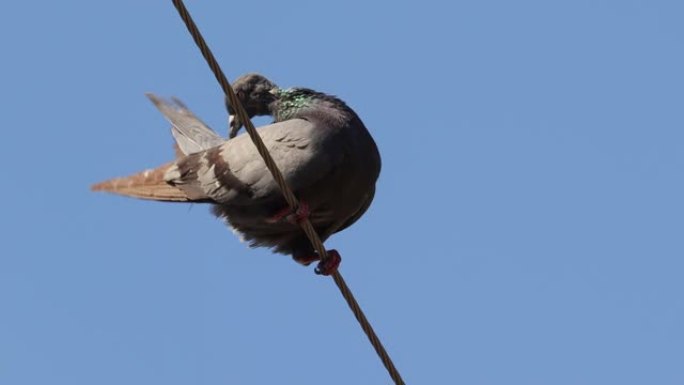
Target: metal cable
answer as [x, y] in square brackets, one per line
[285, 189]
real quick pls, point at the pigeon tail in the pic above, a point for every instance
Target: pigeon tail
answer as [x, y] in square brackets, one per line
[149, 184]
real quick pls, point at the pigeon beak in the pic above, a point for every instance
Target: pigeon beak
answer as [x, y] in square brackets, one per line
[234, 124]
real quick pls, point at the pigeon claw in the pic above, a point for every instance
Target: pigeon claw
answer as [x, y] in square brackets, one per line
[326, 266]
[294, 217]
[330, 264]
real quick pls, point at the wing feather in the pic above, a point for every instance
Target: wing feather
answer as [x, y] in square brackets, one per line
[235, 173]
[190, 133]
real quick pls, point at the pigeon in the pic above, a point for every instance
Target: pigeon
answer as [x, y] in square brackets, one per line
[323, 149]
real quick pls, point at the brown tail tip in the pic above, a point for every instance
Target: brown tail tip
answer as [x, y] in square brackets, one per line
[148, 184]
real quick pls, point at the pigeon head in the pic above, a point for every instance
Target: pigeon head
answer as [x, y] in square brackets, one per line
[257, 95]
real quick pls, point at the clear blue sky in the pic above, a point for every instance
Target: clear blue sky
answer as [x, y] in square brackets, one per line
[528, 226]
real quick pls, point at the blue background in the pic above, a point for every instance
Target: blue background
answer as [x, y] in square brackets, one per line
[528, 226]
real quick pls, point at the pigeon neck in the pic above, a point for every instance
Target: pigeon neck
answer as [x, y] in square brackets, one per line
[293, 103]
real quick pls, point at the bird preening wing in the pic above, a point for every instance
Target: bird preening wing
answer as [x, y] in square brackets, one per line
[323, 150]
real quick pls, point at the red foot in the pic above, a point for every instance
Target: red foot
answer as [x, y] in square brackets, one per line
[288, 215]
[306, 260]
[329, 265]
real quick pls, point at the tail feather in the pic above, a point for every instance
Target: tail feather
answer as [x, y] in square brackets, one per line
[148, 184]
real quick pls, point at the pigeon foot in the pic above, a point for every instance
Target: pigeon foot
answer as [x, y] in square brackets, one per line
[306, 260]
[330, 264]
[327, 267]
[294, 217]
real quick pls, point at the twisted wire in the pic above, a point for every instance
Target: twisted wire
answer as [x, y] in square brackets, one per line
[291, 199]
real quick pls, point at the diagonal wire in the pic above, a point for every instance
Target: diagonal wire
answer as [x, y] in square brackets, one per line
[285, 189]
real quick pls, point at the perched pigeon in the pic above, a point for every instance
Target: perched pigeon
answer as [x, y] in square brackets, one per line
[324, 151]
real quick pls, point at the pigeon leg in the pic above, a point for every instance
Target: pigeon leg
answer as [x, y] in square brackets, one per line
[291, 216]
[326, 267]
